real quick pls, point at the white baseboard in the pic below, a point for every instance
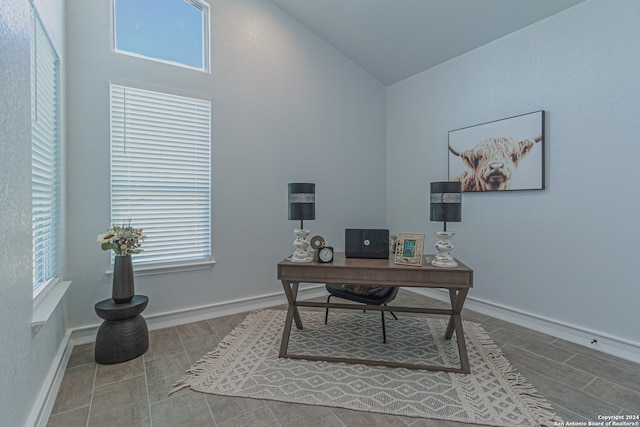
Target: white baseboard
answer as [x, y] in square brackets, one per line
[45, 400]
[607, 344]
[87, 334]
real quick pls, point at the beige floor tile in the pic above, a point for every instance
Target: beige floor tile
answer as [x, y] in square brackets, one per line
[223, 325]
[576, 401]
[573, 348]
[611, 370]
[529, 340]
[261, 417]
[159, 389]
[111, 373]
[187, 410]
[118, 394]
[134, 414]
[163, 342]
[225, 408]
[174, 365]
[544, 366]
[76, 387]
[195, 330]
[198, 347]
[567, 415]
[296, 415]
[72, 418]
[423, 422]
[367, 419]
[82, 354]
[625, 397]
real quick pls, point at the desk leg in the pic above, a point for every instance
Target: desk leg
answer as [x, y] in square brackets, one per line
[455, 323]
[291, 290]
[457, 301]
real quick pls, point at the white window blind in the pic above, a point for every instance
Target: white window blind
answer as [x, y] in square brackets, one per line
[161, 172]
[45, 149]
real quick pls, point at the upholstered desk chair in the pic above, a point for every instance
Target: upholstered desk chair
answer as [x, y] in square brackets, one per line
[380, 297]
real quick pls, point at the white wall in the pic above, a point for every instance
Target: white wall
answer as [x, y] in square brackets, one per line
[570, 253]
[26, 358]
[286, 108]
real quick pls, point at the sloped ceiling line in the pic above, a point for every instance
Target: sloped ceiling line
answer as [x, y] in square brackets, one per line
[395, 39]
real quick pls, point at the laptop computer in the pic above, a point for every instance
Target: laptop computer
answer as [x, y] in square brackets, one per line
[366, 243]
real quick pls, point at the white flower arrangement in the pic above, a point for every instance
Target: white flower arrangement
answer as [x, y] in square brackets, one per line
[123, 240]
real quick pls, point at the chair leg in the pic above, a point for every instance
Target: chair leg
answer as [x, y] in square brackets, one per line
[326, 313]
[384, 331]
[392, 313]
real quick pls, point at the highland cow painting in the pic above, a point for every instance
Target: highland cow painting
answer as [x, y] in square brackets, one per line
[502, 155]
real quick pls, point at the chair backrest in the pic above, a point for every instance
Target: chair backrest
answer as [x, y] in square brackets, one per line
[382, 296]
[391, 295]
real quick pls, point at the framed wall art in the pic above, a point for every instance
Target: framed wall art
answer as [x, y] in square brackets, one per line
[503, 155]
[409, 249]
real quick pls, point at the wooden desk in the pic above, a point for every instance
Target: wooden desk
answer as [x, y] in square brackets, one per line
[377, 272]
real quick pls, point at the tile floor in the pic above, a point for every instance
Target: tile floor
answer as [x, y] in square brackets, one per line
[579, 382]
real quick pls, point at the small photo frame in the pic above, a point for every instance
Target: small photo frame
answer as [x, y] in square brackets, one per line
[409, 249]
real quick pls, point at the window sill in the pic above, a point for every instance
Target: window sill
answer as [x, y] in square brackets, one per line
[46, 302]
[151, 269]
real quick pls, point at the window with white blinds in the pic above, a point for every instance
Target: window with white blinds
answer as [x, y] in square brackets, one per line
[45, 148]
[161, 172]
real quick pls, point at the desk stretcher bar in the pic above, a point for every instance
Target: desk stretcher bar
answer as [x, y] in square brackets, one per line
[377, 272]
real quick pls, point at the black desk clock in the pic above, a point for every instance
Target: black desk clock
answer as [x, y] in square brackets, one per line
[325, 254]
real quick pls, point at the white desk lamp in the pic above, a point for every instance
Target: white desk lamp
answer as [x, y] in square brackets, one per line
[446, 206]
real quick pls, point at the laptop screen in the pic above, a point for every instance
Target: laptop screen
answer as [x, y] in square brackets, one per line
[366, 243]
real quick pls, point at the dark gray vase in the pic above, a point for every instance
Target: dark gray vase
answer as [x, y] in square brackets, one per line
[122, 290]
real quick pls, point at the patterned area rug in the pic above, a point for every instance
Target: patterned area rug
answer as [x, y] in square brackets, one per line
[246, 364]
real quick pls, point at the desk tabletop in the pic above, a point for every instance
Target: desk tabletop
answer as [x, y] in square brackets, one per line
[345, 270]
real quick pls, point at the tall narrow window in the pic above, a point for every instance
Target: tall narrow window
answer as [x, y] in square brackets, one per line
[173, 31]
[45, 149]
[161, 172]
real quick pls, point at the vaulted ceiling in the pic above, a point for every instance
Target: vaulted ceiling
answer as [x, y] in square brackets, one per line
[395, 39]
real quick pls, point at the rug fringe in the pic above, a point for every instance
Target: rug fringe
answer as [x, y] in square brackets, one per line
[208, 359]
[537, 404]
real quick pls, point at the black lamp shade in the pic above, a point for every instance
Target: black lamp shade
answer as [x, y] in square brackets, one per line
[446, 201]
[302, 201]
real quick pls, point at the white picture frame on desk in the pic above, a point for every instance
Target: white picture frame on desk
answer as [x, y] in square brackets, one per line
[409, 249]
